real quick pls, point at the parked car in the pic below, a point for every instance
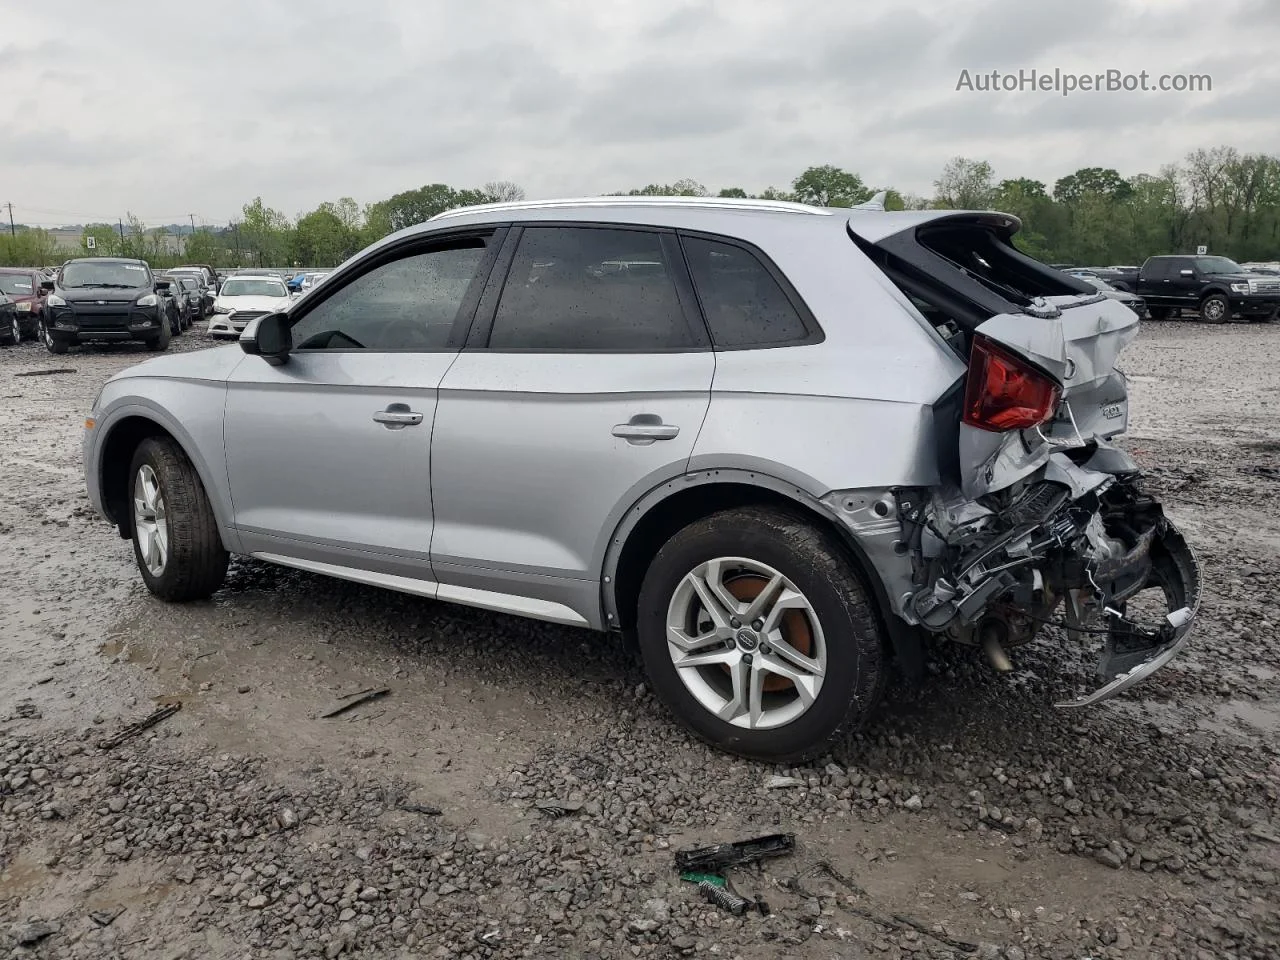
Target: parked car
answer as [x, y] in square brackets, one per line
[1124, 279]
[195, 293]
[1217, 288]
[175, 308]
[22, 286]
[104, 299]
[10, 327]
[311, 279]
[1270, 268]
[181, 301]
[208, 290]
[208, 276]
[1130, 300]
[761, 457]
[244, 298]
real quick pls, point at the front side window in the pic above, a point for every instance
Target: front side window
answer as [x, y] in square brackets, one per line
[743, 303]
[589, 288]
[405, 304]
[1217, 265]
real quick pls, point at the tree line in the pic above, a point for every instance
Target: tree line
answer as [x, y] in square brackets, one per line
[1224, 199]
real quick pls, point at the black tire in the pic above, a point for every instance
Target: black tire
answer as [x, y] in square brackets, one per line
[815, 562]
[161, 341]
[1215, 308]
[51, 344]
[11, 331]
[197, 561]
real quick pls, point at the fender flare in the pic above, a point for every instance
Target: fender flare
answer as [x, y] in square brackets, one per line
[907, 644]
[143, 408]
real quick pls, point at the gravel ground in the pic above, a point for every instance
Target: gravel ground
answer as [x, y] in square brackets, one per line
[973, 819]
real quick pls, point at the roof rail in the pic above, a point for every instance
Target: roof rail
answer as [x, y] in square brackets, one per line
[709, 203]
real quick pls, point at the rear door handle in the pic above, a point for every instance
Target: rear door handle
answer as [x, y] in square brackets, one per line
[644, 428]
[397, 416]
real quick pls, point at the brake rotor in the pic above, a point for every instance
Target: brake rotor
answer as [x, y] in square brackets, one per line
[794, 624]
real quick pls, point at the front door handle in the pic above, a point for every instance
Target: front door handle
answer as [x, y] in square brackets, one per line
[645, 428]
[397, 416]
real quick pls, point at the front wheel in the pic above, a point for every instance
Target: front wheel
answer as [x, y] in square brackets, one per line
[13, 334]
[757, 633]
[1215, 309]
[161, 341]
[175, 536]
[50, 343]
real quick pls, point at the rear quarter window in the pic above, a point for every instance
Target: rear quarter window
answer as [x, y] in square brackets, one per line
[744, 304]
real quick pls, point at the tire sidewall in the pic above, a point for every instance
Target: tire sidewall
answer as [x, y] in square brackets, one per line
[147, 454]
[852, 669]
[1226, 308]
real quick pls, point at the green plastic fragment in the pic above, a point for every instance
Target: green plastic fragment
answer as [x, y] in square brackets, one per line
[692, 876]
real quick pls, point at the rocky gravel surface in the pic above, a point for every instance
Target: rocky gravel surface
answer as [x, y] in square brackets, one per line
[519, 793]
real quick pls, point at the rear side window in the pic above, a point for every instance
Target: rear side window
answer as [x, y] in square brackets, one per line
[743, 303]
[590, 288]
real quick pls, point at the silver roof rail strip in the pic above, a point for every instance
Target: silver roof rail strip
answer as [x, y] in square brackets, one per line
[706, 203]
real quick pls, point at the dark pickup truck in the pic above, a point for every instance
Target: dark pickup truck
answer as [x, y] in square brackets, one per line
[1217, 288]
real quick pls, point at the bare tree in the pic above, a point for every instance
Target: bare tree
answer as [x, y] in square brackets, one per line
[503, 191]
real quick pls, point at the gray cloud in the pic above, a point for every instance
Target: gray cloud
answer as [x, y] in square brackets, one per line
[301, 105]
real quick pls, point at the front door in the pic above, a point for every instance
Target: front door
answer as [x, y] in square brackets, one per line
[329, 455]
[585, 385]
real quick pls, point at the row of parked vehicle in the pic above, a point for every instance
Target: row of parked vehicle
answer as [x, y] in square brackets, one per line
[112, 299]
[1215, 289]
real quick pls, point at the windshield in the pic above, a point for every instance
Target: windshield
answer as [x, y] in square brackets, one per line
[238, 287]
[105, 273]
[1212, 265]
[17, 284]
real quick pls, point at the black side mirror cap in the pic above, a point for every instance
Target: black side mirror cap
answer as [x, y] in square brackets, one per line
[269, 337]
[46, 284]
[162, 285]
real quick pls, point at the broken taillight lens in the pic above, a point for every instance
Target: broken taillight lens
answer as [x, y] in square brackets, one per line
[1004, 391]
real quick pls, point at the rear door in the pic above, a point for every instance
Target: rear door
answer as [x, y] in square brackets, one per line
[584, 385]
[328, 455]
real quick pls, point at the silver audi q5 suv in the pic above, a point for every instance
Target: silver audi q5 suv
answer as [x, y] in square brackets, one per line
[782, 445]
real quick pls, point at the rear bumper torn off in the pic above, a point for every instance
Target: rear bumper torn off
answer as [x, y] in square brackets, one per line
[1126, 663]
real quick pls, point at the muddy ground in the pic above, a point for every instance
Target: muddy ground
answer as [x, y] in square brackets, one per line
[973, 818]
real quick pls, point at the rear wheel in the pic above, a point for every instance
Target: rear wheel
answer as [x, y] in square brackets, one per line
[1215, 309]
[759, 636]
[175, 536]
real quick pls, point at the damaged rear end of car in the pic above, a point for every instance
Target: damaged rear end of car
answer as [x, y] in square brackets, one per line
[1039, 518]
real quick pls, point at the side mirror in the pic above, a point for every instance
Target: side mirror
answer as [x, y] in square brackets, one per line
[1186, 273]
[162, 286]
[268, 337]
[46, 285]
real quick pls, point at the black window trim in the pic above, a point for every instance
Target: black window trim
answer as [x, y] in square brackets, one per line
[495, 237]
[813, 330]
[482, 328]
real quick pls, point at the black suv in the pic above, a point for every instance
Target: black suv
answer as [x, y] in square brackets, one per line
[104, 299]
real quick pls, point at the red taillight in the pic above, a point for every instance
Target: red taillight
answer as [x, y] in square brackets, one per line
[1005, 392]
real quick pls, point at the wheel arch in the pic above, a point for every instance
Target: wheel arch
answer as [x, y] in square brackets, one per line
[121, 438]
[656, 516]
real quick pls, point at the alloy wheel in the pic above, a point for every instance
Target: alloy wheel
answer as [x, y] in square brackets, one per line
[150, 522]
[746, 643]
[1213, 310]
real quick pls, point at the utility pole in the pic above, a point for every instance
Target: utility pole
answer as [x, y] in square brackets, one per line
[12, 232]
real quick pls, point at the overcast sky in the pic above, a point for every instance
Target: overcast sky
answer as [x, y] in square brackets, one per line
[166, 109]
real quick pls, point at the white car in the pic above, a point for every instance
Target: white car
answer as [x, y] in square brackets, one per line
[243, 298]
[311, 279]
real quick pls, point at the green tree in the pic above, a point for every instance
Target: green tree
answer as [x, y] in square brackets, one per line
[106, 241]
[1098, 181]
[681, 188]
[964, 185]
[829, 186]
[323, 238]
[266, 234]
[737, 192]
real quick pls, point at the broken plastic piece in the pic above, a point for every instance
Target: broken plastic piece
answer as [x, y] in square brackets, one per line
[693, 876]
[723, 898]
[716, 858]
